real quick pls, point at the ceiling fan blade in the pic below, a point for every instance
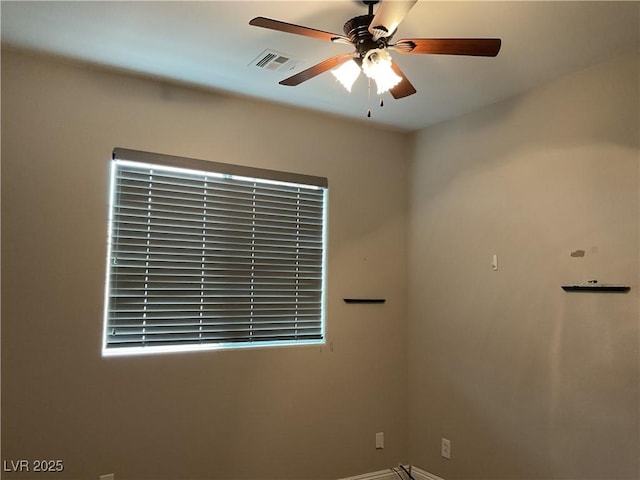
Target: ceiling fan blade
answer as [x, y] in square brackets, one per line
[317, 69]
[404, 88]
[388, 17]
[479, 47]
[297, 29]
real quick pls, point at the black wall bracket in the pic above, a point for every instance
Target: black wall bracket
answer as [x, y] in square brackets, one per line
[364, 300]
[596, 288]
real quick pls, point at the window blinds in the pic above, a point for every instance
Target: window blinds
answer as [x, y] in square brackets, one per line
[208, 259]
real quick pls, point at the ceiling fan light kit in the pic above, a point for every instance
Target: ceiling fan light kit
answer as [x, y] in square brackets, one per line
[377, 65]
[371, 35]
[347, 74]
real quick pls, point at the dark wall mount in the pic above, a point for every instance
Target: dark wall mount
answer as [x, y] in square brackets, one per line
[364, 300]
[596, 288]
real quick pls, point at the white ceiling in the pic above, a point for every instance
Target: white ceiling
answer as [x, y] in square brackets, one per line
[210, 44]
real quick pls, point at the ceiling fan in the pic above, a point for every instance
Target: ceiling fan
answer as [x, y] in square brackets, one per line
[371, 36]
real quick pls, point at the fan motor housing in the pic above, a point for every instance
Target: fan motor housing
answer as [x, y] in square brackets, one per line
[357, 29]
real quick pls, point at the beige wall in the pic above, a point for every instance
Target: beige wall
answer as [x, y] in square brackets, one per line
[525, 380]
[305, 412]
[528, 381]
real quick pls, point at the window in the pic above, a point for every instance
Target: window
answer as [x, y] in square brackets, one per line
[205, 255]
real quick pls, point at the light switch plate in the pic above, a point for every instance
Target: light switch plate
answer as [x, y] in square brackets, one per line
[445, 448]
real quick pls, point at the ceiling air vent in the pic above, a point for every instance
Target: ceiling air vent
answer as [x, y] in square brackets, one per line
[275, 61]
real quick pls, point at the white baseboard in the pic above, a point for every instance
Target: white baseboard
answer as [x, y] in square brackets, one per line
[388, 474]
[420, 474]
[379, 475]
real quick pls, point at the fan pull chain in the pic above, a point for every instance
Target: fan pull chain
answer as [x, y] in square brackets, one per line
[369, 99]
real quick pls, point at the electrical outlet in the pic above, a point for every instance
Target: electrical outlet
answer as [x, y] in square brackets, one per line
[108, 476]
[380, 440]
[445, 448]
